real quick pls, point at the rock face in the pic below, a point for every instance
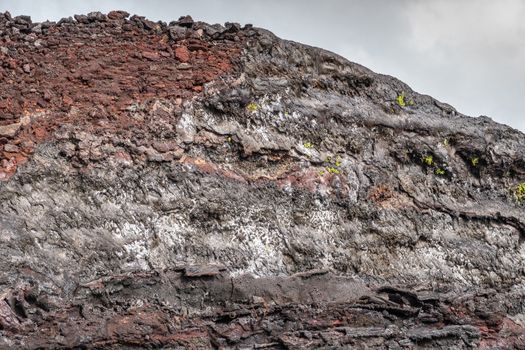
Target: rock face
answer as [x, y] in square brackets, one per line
[205, 186]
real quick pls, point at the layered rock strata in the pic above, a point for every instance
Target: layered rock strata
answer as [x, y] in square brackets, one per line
[188, 185]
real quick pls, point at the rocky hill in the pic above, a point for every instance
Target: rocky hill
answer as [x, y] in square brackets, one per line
[195, 186]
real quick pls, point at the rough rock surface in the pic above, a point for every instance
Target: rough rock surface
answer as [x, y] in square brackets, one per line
[205, 186]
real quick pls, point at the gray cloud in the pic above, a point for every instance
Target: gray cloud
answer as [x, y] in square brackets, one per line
[468, 53]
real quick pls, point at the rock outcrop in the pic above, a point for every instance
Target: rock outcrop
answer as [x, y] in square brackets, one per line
[206, 186]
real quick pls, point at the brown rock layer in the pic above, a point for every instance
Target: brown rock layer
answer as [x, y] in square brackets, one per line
[93, 73]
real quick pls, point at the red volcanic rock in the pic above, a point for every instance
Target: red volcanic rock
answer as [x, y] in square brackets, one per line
[182, 54]
[85, 65]
[152, 56]
[118, 15]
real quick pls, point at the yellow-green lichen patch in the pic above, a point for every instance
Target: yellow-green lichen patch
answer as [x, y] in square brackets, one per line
[440, 171]
[401, 100]
[519, 193]
[428, 160]
[252, 107]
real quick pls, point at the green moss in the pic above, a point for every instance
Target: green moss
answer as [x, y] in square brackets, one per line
[333, 170]
[308, 145]
[333, 164]
[428, 160]
[252, 107]
[401, 99]
[519, 193]
[440, 171]
[321, 172]
[474, 161]
[411, 103]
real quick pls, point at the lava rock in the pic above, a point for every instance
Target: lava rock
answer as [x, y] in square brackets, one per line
[200, 186]
[118, 15]
[177, 33]
[96, 17]
[185, 21]
[182, 54]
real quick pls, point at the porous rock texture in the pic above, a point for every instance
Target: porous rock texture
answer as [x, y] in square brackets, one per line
[195, 186]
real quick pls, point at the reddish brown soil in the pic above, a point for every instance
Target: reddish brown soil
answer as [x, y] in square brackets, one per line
[91, 73]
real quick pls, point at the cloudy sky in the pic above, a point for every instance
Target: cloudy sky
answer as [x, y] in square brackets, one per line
[468, 53]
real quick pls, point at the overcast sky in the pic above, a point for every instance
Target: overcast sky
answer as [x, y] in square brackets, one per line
[468, 53]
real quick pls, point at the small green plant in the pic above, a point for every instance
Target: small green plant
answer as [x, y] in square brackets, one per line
[519, 193]
[308, 145]
[474, 161]
[445, 142]
[428, 160]
[411, 103]
[252, 107]
[321, 172]
[440, 171]
[333, 170]
[401, 99]
[333, 165]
